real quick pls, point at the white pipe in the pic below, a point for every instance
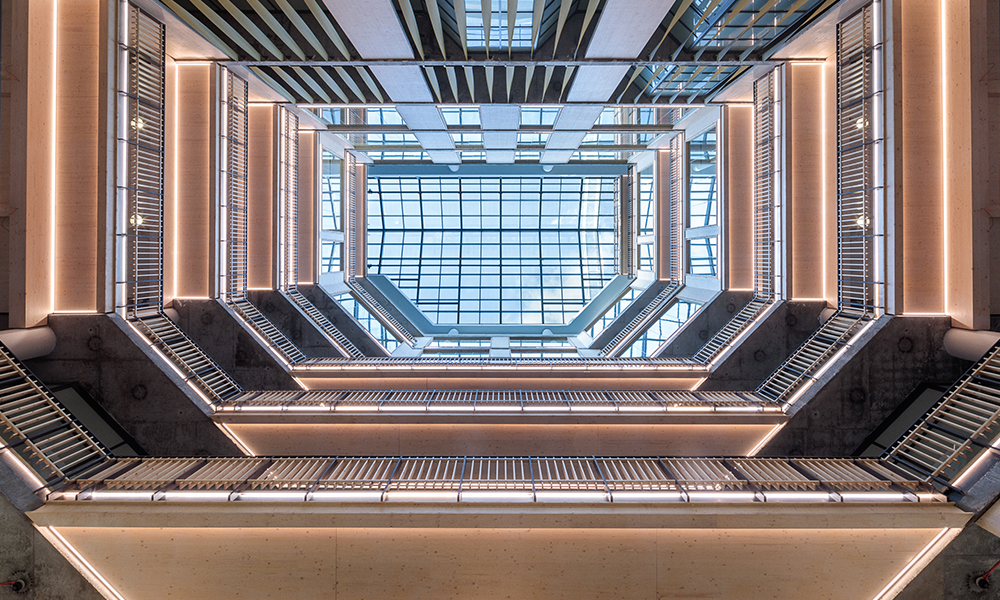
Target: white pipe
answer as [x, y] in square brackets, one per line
[29, 343]
[969, 344]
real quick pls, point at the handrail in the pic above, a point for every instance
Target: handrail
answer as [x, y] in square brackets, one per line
[732, 330]
[959, 428]
[500, 401]
[649, 313]
[374, 479]
[263, 326]
[330, 331]
[197, 367]
[436, 362]
[808, 359]
[374, 307]
[37, 429]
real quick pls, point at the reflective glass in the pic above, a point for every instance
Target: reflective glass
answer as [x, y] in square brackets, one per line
[330, 253]
[661, 330]
[702, 256]
[494, 251]
[368, 321]
[702, 188]
[330, 192]
[647, 208]
[539, 116]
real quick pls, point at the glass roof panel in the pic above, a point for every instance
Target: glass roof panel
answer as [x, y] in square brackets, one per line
[482, 251]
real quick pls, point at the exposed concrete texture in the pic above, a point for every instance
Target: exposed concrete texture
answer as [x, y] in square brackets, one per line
[868, 388]
[235, 350]
[341, 320]
[949, 575]
[24, 550]
[707, 323]
[766, 347]
[297, 327]
[95, 353]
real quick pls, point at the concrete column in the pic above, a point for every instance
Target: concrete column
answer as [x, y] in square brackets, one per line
[966, 63]
[29, 153]
[260, 195]
[738, 146]
[309, 170]
[969, 345]
[804, 134]
[194, 177]
[29, 343]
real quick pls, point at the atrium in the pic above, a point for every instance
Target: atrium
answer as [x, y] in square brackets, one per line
[499, 298]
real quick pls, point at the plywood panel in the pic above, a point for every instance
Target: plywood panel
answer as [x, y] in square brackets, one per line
[500, 439]
[192, 251]
[921, 152]
[260, 196]
[33, 172]
[75, 265]
[353, 563]
[308, 203]
[804, 109]
[738, 127]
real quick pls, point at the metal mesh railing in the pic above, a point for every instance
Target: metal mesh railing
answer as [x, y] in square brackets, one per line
[140, 225]
[649, 313]
[808, 359]
[857, 229]
[764, 166]
[271, 334]
[330, 331]
[500, 479]
[374, 307]
[288, 200]
[235, 186]
[675, 202]
[37, 429]
[963, 425]
[196, 366]
[501, 401]
[626, 222]
[444, 362]
[732, 330]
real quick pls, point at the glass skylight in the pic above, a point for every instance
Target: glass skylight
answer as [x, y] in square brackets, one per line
[661, 330]
[476, 30]
[369, 322]
[538, 116]
[330, 192]
[494, 251]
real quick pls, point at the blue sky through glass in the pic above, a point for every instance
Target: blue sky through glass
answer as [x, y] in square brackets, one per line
[510, 250]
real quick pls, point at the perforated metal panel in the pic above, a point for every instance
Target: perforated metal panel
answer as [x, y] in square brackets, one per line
[288, 199]
[764, 167]
[675, 200]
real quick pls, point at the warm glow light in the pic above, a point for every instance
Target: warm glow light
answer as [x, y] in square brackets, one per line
[78, 561]
[239, 442]
[135, 220]
[55, 144]
[138, 123]
[767, 438]
[919, 561]
[944, 148]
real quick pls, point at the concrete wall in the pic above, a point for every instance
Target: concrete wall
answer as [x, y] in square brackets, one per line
[93, 351]
[865, 391]
[297, 327]
[707, 323]
[763, 350]
[238, 353]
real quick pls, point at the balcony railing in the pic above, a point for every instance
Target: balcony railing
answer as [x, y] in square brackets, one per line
[961, 427]
[504, 479]
[37, 429]
[500, 401]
